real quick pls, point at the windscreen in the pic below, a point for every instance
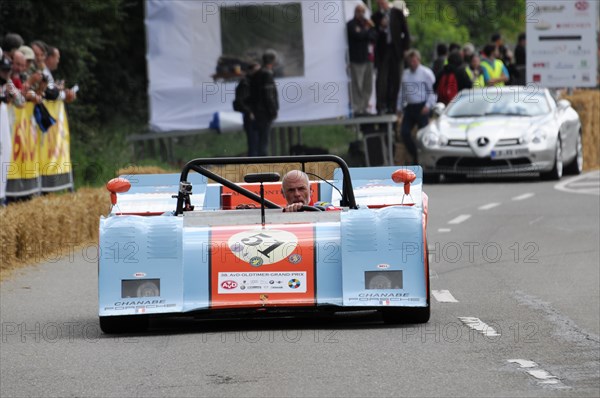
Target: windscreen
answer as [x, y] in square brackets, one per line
[490, 102]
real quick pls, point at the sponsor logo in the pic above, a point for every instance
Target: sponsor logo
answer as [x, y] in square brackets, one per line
[537, 78]
[229, 284]
[582, 5]
[295, 258]
[263, 297]
[139, 275]
[549, 9]
[294, 283]
[483, 141]
[540, 65]
[569, 25]
[138, 302]
[256, 261]
[382, 295]
[563, 65]
[259, 247]
[383, 266]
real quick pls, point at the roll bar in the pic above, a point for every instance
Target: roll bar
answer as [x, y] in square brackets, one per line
[198, 166]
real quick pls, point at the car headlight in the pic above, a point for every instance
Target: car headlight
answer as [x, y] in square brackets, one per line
[431, 140]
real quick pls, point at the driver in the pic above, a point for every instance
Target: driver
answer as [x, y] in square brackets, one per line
[295, 188]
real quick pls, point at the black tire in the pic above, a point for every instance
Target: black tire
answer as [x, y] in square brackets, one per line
[406, 315]
[557, 170]
[124, 324]
[576, 165]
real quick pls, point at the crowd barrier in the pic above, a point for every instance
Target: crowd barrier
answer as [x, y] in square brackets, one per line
[33, 161]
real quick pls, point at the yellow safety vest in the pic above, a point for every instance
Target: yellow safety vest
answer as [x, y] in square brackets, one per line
[479, 82]
[495, 72]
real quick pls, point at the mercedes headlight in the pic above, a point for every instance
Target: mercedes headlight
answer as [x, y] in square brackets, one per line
[432, 140]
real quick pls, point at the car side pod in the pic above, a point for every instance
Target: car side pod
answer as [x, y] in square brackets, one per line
[117, 185]
[405, 177]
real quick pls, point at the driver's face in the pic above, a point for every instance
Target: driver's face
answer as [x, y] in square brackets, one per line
[296, 190]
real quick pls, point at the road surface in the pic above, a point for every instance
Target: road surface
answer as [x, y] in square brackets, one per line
[515, 312]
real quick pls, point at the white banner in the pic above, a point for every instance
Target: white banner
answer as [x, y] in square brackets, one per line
[5, 148]
[187, 38]
[562, 49]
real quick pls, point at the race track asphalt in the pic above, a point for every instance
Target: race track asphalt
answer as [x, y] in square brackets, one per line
[515, 312]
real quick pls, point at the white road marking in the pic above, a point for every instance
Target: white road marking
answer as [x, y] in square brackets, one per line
[444, 296]
[524, 196]
[543, 377]
[524, 363]
[479, 325]
[459, 219]
[489, 206]
[588, 183]
[584, 184]
[546, 377]
[444, 230]
[540, 218]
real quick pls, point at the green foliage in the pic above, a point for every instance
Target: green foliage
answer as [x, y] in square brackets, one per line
[102, 47]
[445, 21]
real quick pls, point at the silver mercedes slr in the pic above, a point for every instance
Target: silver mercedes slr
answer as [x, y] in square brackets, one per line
[513, 130]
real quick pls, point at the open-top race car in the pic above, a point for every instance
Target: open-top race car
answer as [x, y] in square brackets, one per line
[202, 244]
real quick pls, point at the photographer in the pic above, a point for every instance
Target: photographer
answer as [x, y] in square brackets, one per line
[8, 92]
[361, 33]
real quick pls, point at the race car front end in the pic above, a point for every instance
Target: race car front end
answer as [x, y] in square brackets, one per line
[221, 261]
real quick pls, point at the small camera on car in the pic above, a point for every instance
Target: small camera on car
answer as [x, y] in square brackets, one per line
[185, 187]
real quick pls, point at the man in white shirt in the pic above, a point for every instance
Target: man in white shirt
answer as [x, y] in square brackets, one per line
[416, 99]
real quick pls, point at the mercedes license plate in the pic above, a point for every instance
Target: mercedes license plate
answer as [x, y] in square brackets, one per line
[509, 153]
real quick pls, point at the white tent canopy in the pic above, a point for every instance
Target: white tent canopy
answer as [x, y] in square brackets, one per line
[186, 39]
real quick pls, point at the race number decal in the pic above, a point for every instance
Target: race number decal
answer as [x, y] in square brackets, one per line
[260, 247]
[253, 266]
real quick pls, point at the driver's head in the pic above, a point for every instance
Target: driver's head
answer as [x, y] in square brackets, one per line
[295, 187]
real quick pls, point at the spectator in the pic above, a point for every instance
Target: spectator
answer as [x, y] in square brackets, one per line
[416, 99]
[393, 39]
[264, 105]
[41, 83]
[476, 72]
[520, 60]
[52, 61]
[503, 53]
[242, 99]
[497, 74]
[360, 35]
[468, 50]
[452, 79]
[441, 58]
[19, 66]
[453, 47]
[11, 43]
[53, 58]
[8, 92]
[30, 58]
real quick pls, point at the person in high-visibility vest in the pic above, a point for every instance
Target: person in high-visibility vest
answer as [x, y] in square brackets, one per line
[476, 72]
[498, 74]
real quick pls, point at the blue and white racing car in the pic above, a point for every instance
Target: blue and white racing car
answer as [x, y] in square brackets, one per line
[200, 243]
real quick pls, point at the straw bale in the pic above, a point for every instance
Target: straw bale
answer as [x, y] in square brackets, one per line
[587, 104]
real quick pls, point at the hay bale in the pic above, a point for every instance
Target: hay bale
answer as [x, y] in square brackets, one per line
[132, 170]
[49, 226]
[587, 104]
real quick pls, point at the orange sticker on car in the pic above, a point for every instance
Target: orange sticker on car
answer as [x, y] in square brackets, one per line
[249, 263]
